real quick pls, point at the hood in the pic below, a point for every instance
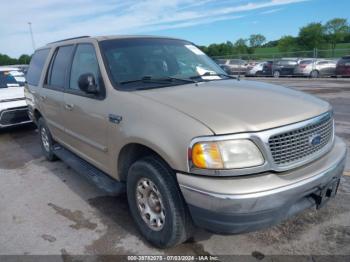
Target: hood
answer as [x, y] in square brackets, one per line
[231, 106]
[10, 93]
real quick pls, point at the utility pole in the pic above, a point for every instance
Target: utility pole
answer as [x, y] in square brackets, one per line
[31, 34]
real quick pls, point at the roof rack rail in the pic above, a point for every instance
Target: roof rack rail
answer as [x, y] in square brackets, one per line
[83, 36]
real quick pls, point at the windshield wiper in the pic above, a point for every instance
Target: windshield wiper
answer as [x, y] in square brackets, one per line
[180, 79]
[149, 79]
[210, 74]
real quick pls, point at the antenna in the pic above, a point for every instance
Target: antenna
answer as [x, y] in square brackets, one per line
[31, 34]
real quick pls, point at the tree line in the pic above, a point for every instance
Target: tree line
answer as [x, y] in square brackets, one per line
[313, 35]
[22, 60]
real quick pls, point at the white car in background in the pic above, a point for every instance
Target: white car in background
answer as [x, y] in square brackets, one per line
[13, 106]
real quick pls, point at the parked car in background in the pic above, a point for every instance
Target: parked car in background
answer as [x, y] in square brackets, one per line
[284, 66]
[233, 66]
[190, 145]
[13, 106]
[343, 66]
[22, 68]
[315, 68]
[261, 69]
[16, 72]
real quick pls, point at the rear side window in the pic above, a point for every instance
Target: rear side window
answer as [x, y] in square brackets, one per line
[36, 66]
[59, 66]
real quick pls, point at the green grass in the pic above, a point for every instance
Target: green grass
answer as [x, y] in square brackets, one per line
[271, 52]
[343, 46]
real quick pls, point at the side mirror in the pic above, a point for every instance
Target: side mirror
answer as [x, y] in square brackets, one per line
[87, 83]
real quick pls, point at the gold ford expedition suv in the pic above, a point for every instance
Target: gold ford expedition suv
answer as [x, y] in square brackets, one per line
[190, 145]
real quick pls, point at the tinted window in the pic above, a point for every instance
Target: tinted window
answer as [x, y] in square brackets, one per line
[344, 60]
[59, 66]
[84, 61]
[287, 62]
[36, 66]
[305, 62]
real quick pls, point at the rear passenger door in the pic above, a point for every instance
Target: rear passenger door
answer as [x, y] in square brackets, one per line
[51, 96]
[84, 115]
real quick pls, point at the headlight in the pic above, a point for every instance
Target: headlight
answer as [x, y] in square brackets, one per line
[228, 154]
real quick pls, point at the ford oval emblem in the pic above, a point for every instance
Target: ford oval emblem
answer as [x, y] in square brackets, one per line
[315, 140]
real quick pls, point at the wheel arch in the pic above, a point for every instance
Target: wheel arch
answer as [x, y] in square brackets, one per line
[132, 152]
[37, 115]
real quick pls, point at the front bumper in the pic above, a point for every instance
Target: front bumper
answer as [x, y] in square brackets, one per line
[247, 203]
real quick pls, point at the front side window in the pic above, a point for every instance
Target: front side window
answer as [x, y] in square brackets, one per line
[84, 61]
[131, 60]
[59, 66]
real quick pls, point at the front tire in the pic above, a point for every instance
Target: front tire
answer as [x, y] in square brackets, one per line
[46, 140]
[156, 203]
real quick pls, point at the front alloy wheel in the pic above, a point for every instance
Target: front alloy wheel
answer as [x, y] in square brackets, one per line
[150, 204]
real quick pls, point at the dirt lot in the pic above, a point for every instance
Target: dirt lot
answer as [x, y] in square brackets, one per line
[46, 208]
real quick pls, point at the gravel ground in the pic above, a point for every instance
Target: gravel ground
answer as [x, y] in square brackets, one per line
[48, 209]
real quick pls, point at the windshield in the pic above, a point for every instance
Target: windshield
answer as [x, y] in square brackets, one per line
[19, 76]
[140, 63]
[7, 80]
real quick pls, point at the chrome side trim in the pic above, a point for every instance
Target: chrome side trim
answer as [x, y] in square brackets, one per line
[261, 140]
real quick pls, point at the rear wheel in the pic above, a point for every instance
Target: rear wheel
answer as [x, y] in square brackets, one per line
[46, 140]
[314, 74]
[156, 203]
[276, 74]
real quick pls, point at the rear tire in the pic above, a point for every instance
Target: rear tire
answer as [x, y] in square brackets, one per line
[46, 140]
[276, 74]
[156, 203]
[314, 74]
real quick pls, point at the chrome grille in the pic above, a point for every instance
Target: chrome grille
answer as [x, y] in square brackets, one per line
[295, 145]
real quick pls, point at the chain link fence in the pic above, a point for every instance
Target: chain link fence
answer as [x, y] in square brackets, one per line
[314, 63]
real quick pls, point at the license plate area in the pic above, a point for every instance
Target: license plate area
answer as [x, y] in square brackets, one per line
[329, 191]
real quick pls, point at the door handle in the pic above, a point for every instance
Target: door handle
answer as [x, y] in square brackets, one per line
[42, 98]
[69, 107]
[115, 119]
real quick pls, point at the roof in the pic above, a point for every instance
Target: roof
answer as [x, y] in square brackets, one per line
[102, 38]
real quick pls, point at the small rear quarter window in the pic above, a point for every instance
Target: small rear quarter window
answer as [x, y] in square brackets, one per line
[36, 66]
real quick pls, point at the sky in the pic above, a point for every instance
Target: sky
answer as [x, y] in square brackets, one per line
[200, 21]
